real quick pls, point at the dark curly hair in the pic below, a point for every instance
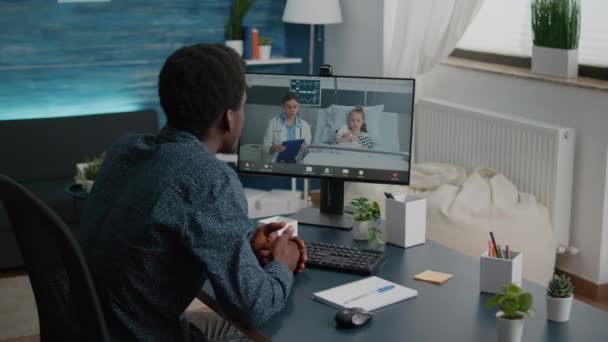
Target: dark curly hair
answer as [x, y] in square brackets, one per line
[198, 83]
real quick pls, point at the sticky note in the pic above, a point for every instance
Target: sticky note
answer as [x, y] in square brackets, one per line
[433, 277]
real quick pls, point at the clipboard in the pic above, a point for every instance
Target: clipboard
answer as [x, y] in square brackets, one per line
[292, 147]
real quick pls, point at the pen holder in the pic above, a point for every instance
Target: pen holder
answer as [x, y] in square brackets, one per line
[288, 222]
[495, 272]
[405, 222]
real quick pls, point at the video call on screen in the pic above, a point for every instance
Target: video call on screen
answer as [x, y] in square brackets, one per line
[335, 127]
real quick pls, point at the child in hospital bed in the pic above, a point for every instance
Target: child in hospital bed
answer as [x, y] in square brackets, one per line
[356, 130]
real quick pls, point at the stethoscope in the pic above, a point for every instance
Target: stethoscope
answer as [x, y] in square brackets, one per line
[281, 130]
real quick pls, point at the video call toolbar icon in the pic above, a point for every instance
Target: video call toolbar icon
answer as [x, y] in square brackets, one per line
[309, 169]
[344, 171]
[361, 172]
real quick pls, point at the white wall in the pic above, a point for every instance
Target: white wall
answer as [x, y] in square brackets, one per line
[583, 109]
[604, 249]
[350, 46]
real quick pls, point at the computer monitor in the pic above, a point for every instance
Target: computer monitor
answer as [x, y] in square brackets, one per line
[334, 128]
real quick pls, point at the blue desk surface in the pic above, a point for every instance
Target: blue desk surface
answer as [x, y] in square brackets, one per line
[450, 312]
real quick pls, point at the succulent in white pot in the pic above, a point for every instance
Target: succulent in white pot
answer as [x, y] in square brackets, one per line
[559, 298]
[515, 306]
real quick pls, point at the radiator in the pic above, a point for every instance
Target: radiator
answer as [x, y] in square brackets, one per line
[537, 157]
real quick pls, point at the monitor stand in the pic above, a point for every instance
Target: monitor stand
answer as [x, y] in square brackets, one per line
[332, 208]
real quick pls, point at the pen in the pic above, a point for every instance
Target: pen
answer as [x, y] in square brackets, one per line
[388, 195]
[380, 290]
[495, 246]
[508, 256]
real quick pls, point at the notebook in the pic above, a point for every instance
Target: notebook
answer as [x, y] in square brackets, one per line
[292, 147]
[370, 294]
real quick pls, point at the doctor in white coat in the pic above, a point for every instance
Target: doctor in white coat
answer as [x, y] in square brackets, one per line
[285, 126]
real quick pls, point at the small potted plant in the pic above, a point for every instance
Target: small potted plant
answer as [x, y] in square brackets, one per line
[556, 30]
[364, 214]
[234, 26]
[265, 47]
[87, 171]
[514, 307]
[559, 298]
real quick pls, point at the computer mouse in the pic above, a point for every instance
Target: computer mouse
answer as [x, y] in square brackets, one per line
[352, 317]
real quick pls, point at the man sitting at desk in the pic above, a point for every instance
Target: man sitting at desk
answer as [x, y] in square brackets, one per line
[165, 215]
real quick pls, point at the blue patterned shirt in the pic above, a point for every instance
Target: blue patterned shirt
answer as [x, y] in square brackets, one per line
[163, 217]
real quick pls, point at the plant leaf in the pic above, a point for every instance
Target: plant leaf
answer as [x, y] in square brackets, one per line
[525, 301]
[530, 312]
[512, 289]
[510, 306]
[492, 302]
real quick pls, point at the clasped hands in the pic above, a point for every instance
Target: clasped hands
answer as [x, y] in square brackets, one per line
[288, 249]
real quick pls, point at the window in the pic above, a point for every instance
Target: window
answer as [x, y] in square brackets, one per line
[503, 27]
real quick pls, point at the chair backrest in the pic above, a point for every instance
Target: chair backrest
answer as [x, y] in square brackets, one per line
[67, 303]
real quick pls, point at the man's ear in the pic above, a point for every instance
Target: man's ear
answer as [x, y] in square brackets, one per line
[228, 120]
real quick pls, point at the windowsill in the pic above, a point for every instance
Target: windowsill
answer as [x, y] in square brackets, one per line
[273, 60]
[581, 82]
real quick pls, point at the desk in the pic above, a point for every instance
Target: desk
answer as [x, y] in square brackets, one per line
[450, 312]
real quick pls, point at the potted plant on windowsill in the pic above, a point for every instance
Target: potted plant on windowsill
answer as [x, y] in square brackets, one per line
[366, 217]
[556, 29]
[87, 172]
[234, 26]
[559, 298]
[514, 307]
[265, 47]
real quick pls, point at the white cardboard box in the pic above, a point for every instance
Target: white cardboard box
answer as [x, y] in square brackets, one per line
[495, 272]
[275, 202]
[287, 220]
[405, 223]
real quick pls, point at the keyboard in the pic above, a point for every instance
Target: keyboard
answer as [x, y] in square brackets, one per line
[342, 258]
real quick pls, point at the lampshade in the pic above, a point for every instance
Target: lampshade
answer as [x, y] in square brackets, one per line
[312, 12]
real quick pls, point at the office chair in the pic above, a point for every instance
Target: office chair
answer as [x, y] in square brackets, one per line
[67, 304]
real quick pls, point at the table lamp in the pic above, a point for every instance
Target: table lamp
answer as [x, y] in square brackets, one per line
[313, 12]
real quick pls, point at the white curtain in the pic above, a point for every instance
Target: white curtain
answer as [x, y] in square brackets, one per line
[418, 34]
